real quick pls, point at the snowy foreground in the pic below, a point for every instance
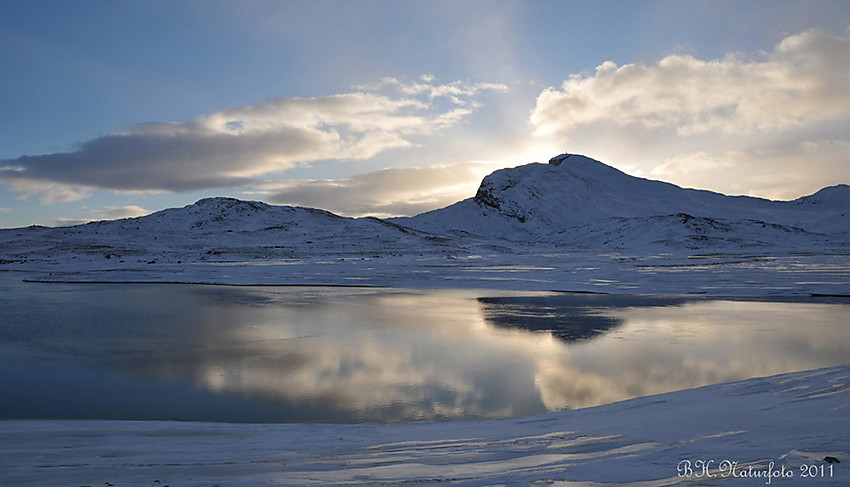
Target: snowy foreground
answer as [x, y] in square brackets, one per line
[783, 430]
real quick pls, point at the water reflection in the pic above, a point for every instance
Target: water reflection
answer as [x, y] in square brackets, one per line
[345, 354]
[662, 348]
[567, 316]
[374, 355]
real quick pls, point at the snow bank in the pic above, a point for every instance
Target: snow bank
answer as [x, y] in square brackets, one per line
[792, 427]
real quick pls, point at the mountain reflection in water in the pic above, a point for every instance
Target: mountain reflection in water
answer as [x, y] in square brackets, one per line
[567, 316]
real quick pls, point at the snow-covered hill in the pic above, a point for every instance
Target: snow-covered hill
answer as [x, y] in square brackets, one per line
[212, 230]
[574, 223]
[578, 201]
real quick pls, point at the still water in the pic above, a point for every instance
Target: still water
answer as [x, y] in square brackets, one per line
[298, 354]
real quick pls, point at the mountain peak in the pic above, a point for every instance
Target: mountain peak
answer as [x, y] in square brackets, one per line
[573, 192]
[225, 204]
[583, 166]
[571, 186]
[224, 201]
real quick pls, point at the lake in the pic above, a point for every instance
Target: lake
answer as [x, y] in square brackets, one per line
[340, 354]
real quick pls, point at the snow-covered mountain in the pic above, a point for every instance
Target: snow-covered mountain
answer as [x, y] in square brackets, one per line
[537, 226]
[578, 201]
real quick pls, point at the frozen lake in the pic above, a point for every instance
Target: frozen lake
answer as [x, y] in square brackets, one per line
[338, 354]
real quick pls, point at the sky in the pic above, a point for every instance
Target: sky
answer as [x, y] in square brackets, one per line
[113, 109]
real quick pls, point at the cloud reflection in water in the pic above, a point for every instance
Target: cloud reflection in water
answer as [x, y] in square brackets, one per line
[384, 355]
[391, 355]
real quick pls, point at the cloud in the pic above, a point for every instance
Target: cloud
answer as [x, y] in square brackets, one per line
[5, 210]
[459, 92]
[699, 122]
[49, 193]
[233, 147]
[105, 213]
[804, 80]
[116, 212]
[387, 192]
[697, 161]
[69, 222]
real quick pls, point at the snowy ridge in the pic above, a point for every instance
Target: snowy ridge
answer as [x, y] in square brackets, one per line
[572, 224]
[792, 423]
[212, 229]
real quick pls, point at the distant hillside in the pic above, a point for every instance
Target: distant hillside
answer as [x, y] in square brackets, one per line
[212, 230]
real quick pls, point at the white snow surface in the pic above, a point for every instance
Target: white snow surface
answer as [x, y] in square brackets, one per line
[574, 224]
[793, 425]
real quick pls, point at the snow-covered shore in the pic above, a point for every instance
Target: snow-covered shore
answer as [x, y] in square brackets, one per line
[792, 427]
[752, 274]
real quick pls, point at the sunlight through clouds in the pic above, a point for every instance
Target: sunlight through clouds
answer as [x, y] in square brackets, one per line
[384, 193]
[264, 98]
[778, 120]
[129, 211]
[670, 118]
